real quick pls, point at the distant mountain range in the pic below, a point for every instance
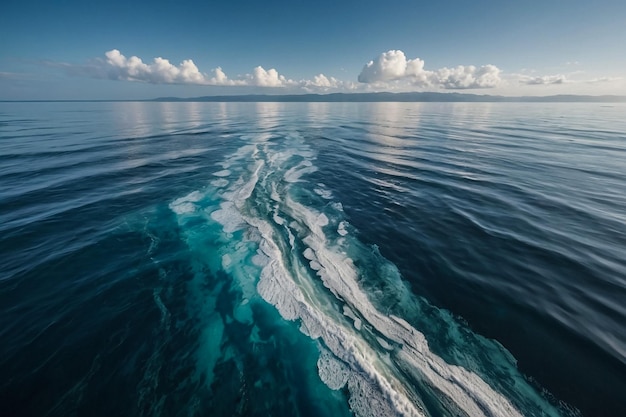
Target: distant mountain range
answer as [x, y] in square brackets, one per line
[398, 97]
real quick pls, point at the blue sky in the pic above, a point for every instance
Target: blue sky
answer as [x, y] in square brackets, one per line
[107, 50]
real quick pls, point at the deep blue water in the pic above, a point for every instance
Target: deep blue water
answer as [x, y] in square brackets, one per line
[183, 259]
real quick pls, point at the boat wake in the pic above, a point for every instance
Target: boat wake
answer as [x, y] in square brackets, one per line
[284, 239]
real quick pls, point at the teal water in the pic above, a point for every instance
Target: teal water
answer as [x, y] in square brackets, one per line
[362, 259]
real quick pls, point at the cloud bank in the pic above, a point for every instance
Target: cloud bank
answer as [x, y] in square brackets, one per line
[560, 79]
[161, 71]
[389, 71]
[116, 66]
[393, 67]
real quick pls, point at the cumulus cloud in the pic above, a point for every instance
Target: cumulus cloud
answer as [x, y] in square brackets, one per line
[116, 66]
[390, 66]
[390, 71]
[463, 77]
[393, 66]
[270, 78]
[321, 82]
[220, 78]
[160, 71]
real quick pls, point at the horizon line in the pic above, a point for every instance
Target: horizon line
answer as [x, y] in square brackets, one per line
[356, 97]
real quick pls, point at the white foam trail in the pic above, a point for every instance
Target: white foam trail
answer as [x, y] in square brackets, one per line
[228, 217]
[186, 204]
[339, 275]
[376, 378]
[243, 189]
[294, 174]
[219, 183]
[223, 173]
[325, 194]
[341, 229]
[347, 311]
[333, 373]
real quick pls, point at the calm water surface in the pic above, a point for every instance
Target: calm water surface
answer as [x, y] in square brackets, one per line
[183, 259]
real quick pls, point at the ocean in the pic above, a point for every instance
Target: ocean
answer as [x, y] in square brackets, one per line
[312, 259]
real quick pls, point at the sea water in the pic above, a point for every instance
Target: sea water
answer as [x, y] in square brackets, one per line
[367, 259]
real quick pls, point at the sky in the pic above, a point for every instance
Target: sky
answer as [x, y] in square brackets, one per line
[68, 49]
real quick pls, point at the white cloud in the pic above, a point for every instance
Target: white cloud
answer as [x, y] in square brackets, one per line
[220, 78]
[321, 82]
[390, 71]
[544, 80]
[116, 66]
[270, 78]
[604, 80]
[393, 66]
[161, 71]
[465, 77]
[575, 82]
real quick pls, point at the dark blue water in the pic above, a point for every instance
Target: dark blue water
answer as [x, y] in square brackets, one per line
[183, 259]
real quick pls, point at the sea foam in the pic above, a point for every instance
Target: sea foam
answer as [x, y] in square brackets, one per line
[308, 276]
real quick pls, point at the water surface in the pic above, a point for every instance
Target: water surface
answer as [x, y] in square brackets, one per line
[312, 259]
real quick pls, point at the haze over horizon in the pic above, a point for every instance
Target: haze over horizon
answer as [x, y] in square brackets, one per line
[146, 50]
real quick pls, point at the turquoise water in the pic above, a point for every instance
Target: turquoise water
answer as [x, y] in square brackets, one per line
[312, 259]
